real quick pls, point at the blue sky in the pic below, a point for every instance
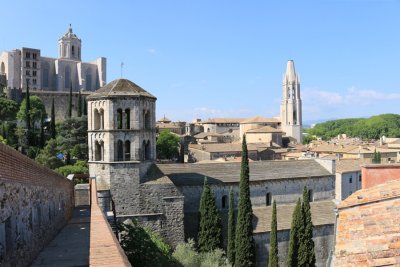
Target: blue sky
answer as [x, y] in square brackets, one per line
[205, 59]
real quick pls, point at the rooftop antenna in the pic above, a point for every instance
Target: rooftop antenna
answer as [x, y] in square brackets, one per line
[122, 66]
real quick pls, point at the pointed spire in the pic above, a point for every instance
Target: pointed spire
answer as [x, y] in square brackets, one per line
[70, 28]
[290, 71]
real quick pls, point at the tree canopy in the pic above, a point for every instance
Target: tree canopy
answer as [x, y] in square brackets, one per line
[37, 110]
[364, 128]
[8, 109]
[167, 145]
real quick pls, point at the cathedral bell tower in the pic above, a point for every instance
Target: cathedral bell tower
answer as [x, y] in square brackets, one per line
[291, 112]
[69, 46]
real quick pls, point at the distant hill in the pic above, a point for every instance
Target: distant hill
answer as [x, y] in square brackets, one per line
[365, 128]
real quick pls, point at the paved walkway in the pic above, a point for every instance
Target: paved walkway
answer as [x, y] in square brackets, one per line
[71, 246]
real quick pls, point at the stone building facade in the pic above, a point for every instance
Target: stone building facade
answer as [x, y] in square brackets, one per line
[122, 139]
[282, 181]
[35, 204]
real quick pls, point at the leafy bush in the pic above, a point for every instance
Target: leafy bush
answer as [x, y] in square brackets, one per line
[79, 167]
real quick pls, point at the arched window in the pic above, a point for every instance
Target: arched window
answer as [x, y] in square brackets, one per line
[224, 202]
[268, 199]
[294, 117]
[127, 150]
[146, 119]
[96, 119]
[146, 150]
[67, 77]
[119, 119]
[120, 150]
[127, 118]
[3, 68]
[73, 51]
[99, 151]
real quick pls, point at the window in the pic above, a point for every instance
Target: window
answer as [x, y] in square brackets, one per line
[120, 152]
[34, 65]
[310, 195]
[28, 73]
[268, 199]
[27, 64]
[127, 150]
[127, 118]
[28, 55]
[351, 180]
[34, 55]
[359, 177]
[119, 119]
[34, 81]
[34, 73]
[224, 201]
[73, 50]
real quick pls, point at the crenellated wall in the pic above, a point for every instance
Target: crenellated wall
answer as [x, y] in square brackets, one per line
[35, 204]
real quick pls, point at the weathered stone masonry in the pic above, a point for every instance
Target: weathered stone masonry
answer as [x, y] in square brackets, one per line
[35, 204]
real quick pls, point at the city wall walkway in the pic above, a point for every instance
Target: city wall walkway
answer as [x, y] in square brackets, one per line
[71, 246]
[87, 240]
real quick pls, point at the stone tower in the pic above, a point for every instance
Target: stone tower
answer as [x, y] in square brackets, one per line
[69, 46]
[291, 113]
[122, 153]
[121, 138]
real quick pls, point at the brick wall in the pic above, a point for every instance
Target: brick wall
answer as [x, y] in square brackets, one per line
[104, 246]
[35, 204]
[374, 174]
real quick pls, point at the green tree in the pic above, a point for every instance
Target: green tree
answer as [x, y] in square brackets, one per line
[244, 242]
[84, 107]
[210, 235]
[79, 104]
[295, 232]
[8, 109]
[231, 230]
[32, 111]
[79, 167]
[53, 132]
[72, 132]
[167, 145]
[185, 254]
[273, 258]
[3, 140]
[306, 247]
[142, 247]
[69, 115]
[27, 114]
[48, 155]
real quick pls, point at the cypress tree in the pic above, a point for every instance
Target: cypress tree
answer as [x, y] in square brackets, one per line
[273, 259]
[84, 107]
[294, 241]
[29, 134]
[42, 136]
[231, 230]
[53, 121]
[306, 247]
[244, 242]
[210, 235]
[79, 104]
[378, 158]
[70, 101]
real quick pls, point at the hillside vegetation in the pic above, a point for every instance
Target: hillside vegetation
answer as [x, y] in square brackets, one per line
[370, 128]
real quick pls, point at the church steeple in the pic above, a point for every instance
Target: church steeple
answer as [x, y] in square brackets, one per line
[291, 108]
[70, 45]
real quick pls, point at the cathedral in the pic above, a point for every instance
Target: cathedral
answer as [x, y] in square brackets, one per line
[27, 65]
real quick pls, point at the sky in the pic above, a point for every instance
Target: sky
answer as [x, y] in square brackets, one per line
[209, 59]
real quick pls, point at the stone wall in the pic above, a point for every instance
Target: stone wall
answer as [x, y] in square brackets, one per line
[323, 236]
[61, 102]
[35, 204]
[281, 190]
